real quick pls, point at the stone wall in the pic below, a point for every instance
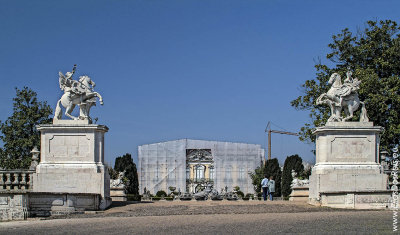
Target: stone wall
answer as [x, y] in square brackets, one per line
[14, 188]
[13, 206]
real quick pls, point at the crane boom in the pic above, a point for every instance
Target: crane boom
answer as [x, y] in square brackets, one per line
[268, 129]
[283, 132]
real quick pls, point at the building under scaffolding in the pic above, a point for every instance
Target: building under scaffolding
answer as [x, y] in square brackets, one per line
[189, 165]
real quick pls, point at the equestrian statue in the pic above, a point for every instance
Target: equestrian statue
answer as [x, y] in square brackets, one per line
[79, 93]
[343, 97]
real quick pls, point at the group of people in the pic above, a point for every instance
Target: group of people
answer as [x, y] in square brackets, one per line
[268, 187]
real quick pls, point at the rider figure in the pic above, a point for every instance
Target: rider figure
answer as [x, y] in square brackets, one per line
[67, 86]
[346, 89]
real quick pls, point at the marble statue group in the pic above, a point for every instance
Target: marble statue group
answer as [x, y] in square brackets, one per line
[343, 97]
[79, 93]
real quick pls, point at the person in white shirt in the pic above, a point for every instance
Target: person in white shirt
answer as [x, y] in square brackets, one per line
[264, 186]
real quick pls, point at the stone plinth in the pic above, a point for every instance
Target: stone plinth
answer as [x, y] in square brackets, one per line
[72, 162]
[46, 204]
[118, 194]
[346, 161]
[299, 194]
[367, 199]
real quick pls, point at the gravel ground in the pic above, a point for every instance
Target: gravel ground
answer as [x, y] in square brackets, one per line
[225, 217]
[130, 209]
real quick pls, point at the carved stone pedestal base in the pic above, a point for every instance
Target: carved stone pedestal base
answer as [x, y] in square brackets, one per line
[299, 194]
[347, 164]
[72, 162]
[118, 195]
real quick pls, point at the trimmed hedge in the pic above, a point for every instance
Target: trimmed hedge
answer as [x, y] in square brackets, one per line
[159, 198]
[295, 163]
[133, 197]
[161, 193]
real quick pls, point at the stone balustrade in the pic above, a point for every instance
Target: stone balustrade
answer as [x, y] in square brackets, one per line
[15, 180]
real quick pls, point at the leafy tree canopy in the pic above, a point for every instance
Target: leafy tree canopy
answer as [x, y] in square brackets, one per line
[18, 133]
[256, 178]
[373, 55]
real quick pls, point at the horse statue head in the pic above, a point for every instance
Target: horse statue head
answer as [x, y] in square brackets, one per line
[335, 79]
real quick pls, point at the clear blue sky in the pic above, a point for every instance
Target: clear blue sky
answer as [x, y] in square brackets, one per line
[213, 70]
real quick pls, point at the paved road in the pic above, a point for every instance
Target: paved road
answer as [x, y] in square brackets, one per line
[120, 220]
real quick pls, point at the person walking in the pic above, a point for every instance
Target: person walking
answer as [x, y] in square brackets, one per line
[264, 186]
[271, 188]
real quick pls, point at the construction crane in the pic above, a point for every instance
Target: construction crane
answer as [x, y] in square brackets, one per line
[268, 129]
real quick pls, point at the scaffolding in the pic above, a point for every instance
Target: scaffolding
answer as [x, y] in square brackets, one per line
[162, 165]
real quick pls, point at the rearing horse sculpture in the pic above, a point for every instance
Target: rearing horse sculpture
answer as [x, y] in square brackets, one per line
[343, 97]
[76, 93]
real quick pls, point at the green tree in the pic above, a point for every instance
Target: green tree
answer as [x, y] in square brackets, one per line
[373, 54]
[293, 162]
[18, 133]
[113, 173]
[273, 169]
[125, 163]
[256, 178]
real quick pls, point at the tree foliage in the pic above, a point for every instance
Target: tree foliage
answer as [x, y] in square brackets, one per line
[113, 173]
[256, 178]
[271, 168]
[125, 163]
[18, 133]
[293, 162]
[373, 54]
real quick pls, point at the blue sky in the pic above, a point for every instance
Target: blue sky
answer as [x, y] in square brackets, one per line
[213, 70]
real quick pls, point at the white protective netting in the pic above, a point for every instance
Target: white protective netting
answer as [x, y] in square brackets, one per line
[162, 165]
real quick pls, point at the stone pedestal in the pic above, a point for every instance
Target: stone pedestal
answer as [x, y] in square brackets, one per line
[72, 163]
[299, 194]
[347, 162]
[118, 194]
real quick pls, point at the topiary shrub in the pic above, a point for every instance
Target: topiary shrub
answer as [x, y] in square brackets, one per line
[161, 193]
[240, 194]
[125, 163]
[295, 163]
[133, 197]
[273, 169]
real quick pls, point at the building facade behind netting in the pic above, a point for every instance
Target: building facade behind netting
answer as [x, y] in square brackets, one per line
[188, 165]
